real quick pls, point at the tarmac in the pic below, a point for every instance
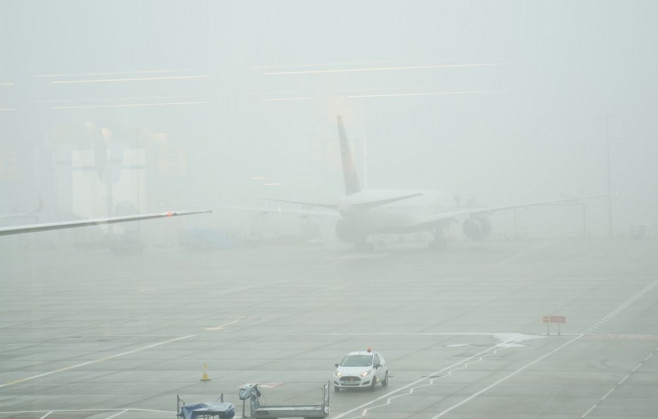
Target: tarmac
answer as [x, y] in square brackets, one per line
[464, 330]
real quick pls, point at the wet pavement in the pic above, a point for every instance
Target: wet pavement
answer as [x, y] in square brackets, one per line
[86, 334]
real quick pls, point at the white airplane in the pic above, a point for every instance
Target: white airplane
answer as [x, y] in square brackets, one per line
[366, 212]
[29, 228]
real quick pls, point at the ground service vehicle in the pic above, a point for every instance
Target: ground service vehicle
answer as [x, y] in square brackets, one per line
[361, 369]
[258, 410]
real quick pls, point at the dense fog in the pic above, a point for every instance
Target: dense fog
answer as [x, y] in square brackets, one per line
[124, 107]
[221, 103]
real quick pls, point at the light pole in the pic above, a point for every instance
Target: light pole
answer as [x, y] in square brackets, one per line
[607, 143]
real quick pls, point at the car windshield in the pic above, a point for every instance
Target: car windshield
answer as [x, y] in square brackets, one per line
[356, 361]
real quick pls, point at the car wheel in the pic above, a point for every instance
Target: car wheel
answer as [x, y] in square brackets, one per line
[336, 389]
[385, 380]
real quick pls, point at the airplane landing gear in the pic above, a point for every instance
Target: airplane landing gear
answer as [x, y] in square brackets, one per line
[364, 246]
[439, 241]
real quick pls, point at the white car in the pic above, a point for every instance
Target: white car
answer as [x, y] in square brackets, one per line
[361, 369]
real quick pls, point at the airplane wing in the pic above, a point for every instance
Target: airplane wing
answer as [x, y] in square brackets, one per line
[490, 210]
[4, 231]
[362, 205]
[304, 213]
[432, 219]
[307, 204]
[444, 217]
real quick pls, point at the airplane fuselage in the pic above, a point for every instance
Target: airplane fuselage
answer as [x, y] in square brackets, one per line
[360, 219]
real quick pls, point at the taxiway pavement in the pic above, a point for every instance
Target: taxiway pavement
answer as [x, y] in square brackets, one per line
[85, 334]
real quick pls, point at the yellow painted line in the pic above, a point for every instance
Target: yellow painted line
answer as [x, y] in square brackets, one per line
[45, 374]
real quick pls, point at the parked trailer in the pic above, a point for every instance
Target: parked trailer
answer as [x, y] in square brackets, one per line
[206, 410]
[252, 393]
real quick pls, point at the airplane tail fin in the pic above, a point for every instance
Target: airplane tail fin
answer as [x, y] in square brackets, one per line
[349, 170]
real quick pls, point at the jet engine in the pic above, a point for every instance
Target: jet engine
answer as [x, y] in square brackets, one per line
[477, 227]
[348, 232]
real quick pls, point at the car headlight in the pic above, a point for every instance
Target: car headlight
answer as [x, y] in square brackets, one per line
[338, 374]
[366, 373]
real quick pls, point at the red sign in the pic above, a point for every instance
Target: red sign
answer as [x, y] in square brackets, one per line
[554, 319]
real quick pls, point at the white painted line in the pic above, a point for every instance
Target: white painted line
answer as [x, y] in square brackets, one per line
[455, 365]
[364, 407]
[446, 93]
[117, 414]
[383, 68]
[615, 387]
[221, 326]
[143, 348]
[648, 356]
[23, 412]
[288, 99]
[607, 394]
[617, 310]
[130, 79]
[372, 256]
[149, 410]
[129, 105]
[622, 307]
[468, 399]
[46, 415]
[589, 410]
[504, 261]
[411, 390]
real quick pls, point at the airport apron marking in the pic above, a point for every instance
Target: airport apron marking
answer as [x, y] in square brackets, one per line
[143, 348]
[504, 261]
[221, 326]
[415, 383]
[619, 384]
[121, 411]
[607, 317]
